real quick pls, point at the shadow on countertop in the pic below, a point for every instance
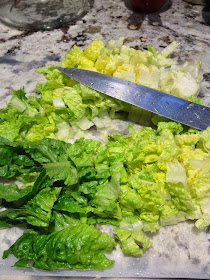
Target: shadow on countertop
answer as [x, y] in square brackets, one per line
[206, 13]
[136, 18]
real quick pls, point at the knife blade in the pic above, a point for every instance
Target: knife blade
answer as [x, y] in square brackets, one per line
[158, 102]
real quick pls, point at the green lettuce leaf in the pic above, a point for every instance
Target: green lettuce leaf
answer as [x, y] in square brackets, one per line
[14, 160]
[204, 142]
[105, 199]
[21, 195]
[176, 173]
[36, 211]
[6, 223]
[132, 243]
[62, 220]
[12, 192]
[46, 150]
[22, 103]
[180, 196]
[73, 202]
[204, 220]
[78, 247]
[62, 170]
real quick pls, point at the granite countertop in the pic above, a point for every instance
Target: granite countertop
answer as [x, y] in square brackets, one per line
[22, 52]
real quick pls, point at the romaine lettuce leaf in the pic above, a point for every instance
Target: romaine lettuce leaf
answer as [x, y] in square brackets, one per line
[73, 202]
[36, 211]
[12, 192]
[105, 199]
[204, 142]
[132, 243]
[78, 247]
[180, 196]
[62, 170]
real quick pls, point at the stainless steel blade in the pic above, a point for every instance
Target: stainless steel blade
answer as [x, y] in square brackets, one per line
[158, 102]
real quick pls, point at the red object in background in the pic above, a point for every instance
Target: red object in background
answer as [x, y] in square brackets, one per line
[148, 5]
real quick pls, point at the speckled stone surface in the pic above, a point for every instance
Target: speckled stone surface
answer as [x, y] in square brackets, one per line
[180, 251]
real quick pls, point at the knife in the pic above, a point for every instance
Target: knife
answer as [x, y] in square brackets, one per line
[158, 102]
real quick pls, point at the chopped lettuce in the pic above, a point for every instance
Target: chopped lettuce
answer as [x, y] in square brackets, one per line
[204, 142]
[66, 108]
[132, 243]
[137, 182]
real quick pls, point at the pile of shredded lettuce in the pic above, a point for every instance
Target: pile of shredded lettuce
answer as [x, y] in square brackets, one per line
[139, 182]
[66, 108]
